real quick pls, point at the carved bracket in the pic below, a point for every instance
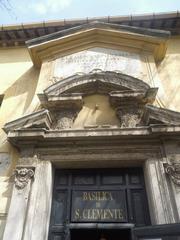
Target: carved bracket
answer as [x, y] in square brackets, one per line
[130, 116]
[22, 176]
[173, 170]
[65, 118]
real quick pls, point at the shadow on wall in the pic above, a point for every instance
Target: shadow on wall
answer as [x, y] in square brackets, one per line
[14, 55]
[6, 195]
[96, 111]
[17, 99]
[19, 96]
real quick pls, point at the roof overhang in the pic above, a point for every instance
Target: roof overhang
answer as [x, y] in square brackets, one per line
[96, 34]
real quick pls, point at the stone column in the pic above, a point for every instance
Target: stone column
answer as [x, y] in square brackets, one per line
[19, 203]
[161, 206]
[38, 217]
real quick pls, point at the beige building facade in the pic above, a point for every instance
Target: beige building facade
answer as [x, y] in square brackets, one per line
[97, 96]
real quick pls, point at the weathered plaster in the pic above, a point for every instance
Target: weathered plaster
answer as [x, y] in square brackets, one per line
[20, 83]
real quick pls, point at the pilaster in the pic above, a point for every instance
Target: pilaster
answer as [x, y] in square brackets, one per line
[19, 203]
[159, 197]
[38, 216]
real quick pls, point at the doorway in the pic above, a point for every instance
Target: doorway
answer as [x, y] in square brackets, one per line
[101, 234]
[98, 196]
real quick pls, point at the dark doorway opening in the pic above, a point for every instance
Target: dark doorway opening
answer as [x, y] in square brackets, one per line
[98, 234]
[96, 199]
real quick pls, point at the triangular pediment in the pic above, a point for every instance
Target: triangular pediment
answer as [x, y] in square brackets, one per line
[98, 34]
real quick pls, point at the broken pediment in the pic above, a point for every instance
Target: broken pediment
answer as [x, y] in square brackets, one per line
[97, 81]
[155, 115]
[122, 102]
[39, 119]
[98, 34]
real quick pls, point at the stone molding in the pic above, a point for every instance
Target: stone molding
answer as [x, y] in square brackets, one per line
[98, 34]
[173, 170]
[63, 100]
[113, 80]
[22, 176]
[39, 119]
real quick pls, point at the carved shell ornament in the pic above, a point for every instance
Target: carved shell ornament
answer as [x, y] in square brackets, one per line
[23, 176]
[173, 170]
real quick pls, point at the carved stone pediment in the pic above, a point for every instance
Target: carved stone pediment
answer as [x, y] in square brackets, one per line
[134, 114]
[63, 101]
[39, 119]
[97, 81]
[155, 115]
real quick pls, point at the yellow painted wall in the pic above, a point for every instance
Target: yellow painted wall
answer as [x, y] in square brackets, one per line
[96, 112]
[20, 82]
[169, 73]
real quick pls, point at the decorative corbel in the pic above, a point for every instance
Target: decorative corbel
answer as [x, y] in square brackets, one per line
[22, 176]
[173, 170]
[130, 116]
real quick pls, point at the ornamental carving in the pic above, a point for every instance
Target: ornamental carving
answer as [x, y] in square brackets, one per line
[173, 170]
[129, 116]
[65, 119]
[22, 176]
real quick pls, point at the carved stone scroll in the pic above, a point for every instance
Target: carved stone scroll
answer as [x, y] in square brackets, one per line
[22, 176]
[173, 170]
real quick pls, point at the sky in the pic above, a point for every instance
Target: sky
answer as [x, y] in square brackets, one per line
[26, 11]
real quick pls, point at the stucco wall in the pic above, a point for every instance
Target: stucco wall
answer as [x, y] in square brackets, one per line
[96, 112]
[20, 84]
[169, 72]
[18, 81]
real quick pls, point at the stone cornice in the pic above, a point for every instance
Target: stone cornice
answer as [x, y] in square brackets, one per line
[41, 119]
[165, 116]
[98, 34]
[42, 135]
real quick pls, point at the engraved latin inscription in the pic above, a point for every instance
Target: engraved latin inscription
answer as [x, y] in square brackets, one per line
[98, 58]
